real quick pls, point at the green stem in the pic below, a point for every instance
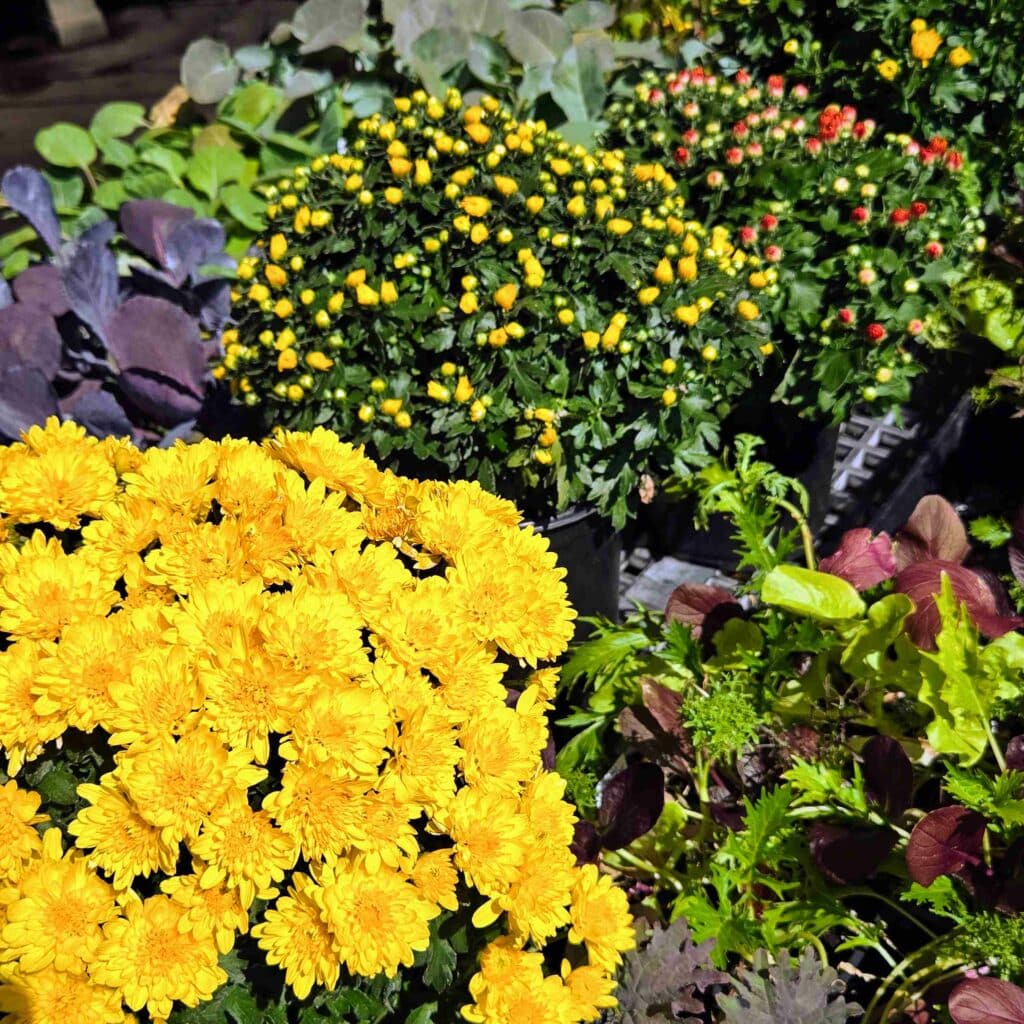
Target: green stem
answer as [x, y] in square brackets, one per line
[805, 531]
[898, 973]
[633, 861]
[909, 987]
[893, 905]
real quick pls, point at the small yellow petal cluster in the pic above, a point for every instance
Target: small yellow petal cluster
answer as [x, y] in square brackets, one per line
[292, 742]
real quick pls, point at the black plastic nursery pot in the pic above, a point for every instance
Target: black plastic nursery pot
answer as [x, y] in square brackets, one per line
[588, 548]
[801, 448]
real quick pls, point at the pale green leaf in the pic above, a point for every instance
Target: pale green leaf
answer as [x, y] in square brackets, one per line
[66, 145]
[818, 595]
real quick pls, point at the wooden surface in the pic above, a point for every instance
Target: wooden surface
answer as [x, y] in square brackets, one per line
[137, 61]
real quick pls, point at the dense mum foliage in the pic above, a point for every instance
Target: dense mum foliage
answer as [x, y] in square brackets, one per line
[533, 315]
[256, 698]
[868, 231]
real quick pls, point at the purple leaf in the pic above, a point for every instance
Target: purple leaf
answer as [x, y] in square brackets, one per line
[845, 855]
[147, 223]
[28, 192]
[1015, 754]
[933, 531]
[586, 843]
[101, 414]
[162, 361]
[862, 560]
[922, 582]
[215, 304]
[29, 336]
[39, 285]
[26, 398]
[89, 277]
[888, 774]
[944, 842]
[987, 1001]
[631, 802]
[100, 233]
[191, 244]
[693, 603]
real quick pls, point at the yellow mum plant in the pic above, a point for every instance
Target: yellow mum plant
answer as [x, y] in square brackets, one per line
[457, 270]
[271, 721]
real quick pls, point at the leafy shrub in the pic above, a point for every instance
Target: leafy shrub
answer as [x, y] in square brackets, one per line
[225, 689]
[868, 234]
[927, 67]
[831, 754]
[214, 169]
[543, 59]
[124, 351]
[534, 316]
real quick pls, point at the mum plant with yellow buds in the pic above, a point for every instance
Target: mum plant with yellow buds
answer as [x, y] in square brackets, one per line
[249, 771]
[471, 293]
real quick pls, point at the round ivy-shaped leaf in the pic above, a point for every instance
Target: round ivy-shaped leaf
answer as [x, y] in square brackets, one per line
[207, 71]
[116, 120]
[536, 37]
[320, 24]
[66, 145]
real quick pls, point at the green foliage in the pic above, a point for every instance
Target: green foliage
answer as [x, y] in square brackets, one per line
[818, 595]
[995, 939]
[759, 501]
[721, 722]
[844, 46]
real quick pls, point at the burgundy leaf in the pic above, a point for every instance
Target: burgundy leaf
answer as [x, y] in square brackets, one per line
[692, 603]
[922, 582]
[191, 244]
[147, 224]
[987, 1001]
[29, 337]
[214, 299]
[664, 705]
[26, 398]
[90, 282]
[933, 531]
[862, 560]
[28, 192]
[888, 774]
[39, 285]
[631, 802]
[586, 843]
[1015, 754]
[944, 842]
[845, 855]
[162, 360]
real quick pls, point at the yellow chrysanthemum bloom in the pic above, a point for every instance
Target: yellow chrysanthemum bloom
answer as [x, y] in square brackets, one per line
[959, 56]
[888, 69]
[154, 962]
[50, 996]
[118, 838]
[378, 920]
[600, 918]
[55, 913]
[19, 841]
[295, 937]
[924, 44]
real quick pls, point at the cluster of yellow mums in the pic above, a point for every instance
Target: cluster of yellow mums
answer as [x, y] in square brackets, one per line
[297, 745]
[482, 218]
[925, 43]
